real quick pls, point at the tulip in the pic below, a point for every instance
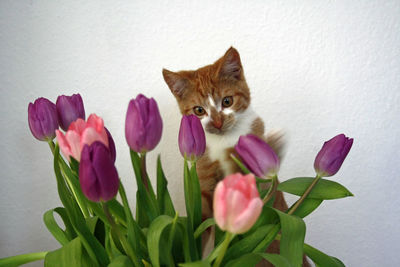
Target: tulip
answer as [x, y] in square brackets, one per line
[143, 124]
[97, 174]
[81, 133]
[111, 145]
[42, 119]
[257, 156]
[192, 140]
[69, 109]
[237, 204]
[332, 154]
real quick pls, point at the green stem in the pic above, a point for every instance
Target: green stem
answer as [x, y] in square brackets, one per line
[22, 259]
[121, 236]
[228, 238]
[304, 196]
[271, 190]
[144, 172]
[52, 146]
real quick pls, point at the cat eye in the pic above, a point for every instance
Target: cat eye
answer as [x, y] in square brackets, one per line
[199, 111]
[227, 101]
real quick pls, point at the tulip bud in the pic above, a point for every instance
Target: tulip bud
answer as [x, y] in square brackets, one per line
[111, 145]
[82, 133]
[42, 119]
[97, 174]
[69, 109]
[143, 124]
[192, 140]
[237, 204]
[332, 154]
[257, 156]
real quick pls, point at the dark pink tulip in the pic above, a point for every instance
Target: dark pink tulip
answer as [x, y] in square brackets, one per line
[42, 119]
[332, 154]
[257, 156]
[69, 109]
[237, 204]
[192, 140]
[97, 174]
[143, 124]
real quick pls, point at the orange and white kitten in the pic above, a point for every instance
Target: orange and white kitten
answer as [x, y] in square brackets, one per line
[218, 94]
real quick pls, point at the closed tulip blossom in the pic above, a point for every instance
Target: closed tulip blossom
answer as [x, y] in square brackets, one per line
[257, 156]
[143, 124]
[42, 119]
[332, 154]
[237, 204]
[192, 140]
[82, 133]
[111, 145]
[69, 109]
[97, 174]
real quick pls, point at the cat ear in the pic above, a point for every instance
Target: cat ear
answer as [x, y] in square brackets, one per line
[231, 67]
[176, 83]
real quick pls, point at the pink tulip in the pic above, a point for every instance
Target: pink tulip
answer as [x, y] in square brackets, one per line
[81, 133]
[237, 204]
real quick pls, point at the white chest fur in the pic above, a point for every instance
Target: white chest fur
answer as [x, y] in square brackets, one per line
[217, 144]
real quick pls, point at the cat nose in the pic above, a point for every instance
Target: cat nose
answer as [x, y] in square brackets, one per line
[217, 123]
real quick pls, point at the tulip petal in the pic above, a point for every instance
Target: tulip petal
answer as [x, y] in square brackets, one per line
[63, 144]
[219, 205]
[74, 142]
[87, 176]
[248, 217]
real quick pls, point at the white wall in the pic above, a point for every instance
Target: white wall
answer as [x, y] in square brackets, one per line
[315, 68]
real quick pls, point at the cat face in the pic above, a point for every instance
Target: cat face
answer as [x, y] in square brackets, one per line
[216, 93]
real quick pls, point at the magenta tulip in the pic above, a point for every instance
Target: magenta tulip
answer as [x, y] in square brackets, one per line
[97, 174]
[192, 140]
[237, 204]
[332, 154]
[42, 119]
[82, 133]
[257, 156]
[69, 109]
[143, 124]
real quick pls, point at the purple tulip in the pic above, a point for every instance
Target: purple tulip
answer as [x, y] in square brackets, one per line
[111, 145]
[97, 174]
[332, 154]
[42, 119]
[143, 124]
[69, 109]
[257, 156]
[192, 140]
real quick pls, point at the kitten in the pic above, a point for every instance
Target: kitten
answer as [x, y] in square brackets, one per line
[218, 94]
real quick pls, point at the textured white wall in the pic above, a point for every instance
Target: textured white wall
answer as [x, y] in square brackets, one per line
[315, 68]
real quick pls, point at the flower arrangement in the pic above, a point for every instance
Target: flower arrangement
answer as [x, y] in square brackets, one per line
[100, 230]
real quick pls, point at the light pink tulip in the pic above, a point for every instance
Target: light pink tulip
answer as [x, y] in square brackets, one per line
[237, 204]
[81, 133]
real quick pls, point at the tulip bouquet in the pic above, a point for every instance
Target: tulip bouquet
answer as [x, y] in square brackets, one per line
[100, 228]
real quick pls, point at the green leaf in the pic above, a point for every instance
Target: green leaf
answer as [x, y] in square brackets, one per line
[134, 232]
[121, 261]
[248, 243]
[117, 210]
[324, 189]
[203, 226]
[72, 254]
[252, 259]
[194, 181]
[62, 236]
[154, 237]
[22, 259]
[308, 206]
[292, 240]
[163, 197]
[320, 258]
[195, 264]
